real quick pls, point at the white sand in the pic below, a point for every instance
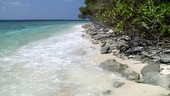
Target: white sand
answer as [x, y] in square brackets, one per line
[130, 88]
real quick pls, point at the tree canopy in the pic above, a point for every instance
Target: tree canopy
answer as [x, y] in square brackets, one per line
[147, 17]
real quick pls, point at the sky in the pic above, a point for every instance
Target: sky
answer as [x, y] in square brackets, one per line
[39, 9]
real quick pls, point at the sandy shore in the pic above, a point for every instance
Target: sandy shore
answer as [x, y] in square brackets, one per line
[133, 64]
[130, 88]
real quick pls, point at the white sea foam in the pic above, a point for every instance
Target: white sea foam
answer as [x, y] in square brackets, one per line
[57, 66]
[62, 66]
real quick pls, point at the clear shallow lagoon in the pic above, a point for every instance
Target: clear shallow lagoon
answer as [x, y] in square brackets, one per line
[14, 34]
[48, 58]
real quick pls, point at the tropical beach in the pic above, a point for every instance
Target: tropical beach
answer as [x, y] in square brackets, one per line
[65, 64]
[49, 48]
[132, 74]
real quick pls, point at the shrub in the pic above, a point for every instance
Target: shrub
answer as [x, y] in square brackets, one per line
[147, 17]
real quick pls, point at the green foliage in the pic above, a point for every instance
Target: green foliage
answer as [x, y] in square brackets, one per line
[144, 16]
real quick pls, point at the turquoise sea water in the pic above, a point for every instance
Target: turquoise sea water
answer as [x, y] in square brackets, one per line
[14, 34]
[48, 58]
[51, 58]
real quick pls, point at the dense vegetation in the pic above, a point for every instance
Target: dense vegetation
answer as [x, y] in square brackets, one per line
[147, 17]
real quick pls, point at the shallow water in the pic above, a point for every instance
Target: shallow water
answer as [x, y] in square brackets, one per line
[57, 66]
[60, 64]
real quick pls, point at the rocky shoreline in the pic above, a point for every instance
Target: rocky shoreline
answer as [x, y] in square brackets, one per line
[125, 46]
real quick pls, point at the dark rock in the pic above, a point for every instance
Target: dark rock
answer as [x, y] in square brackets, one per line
[110, 41]
[122, 46]
[118, 84]
[95, 42]
[166, 52]
[134, 50]
[105, 49]
[113, 66]
[103, 44]
[156, 58]
[95, 30]
[168, 94]
[155, 78]
[103, 41]
[98, 37]
[134, 76]
[140, 81]
[133, 44]
[151, 78]
[108, 92]
[150, 68]
[112, 46]
[165, 58]
[106, 30]
[131, 75]
[127, 38]
[100, 29]
[144, 53]
[110, 35]
[93, 33]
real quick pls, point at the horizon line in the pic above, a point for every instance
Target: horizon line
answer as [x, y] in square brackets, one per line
[44, 20]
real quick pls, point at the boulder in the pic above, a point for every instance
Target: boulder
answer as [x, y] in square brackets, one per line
[131, 75]
[95, 42]
[110, 35]
[118, 84]
[127, 38]
[105, 49]
[122, 46]
[151, 78]
[165, 58]
[168, 94]
[134, 50]
[164, 69]
[107, 92]
[110, 41]
[155, 58]
[155, 78]
[113, 66]
[133, 43]
[150, 68]
[106, 29]
[112, 46]
[98, 37]
[103, 44]
[167, 51]
[92, 33]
